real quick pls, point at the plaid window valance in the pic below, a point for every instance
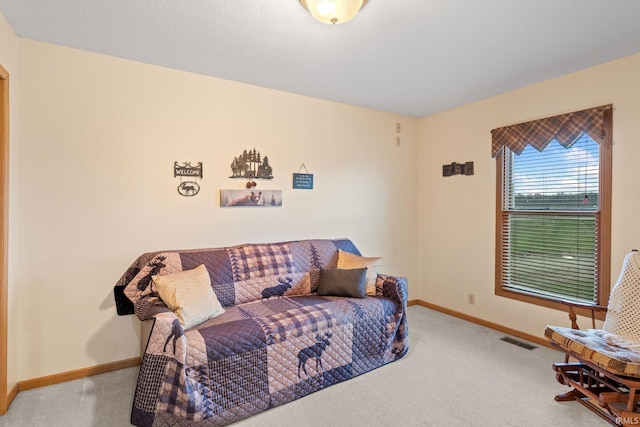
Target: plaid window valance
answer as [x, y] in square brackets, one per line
[565, 128]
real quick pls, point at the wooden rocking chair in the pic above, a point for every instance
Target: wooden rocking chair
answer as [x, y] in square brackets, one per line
[606, 374]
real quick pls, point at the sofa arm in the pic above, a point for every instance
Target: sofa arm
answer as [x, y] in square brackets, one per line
[397, 290]
[149, 307]
[394, 288]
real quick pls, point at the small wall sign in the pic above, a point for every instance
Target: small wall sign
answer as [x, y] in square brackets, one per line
[457, 169]
[188, 175]
[303, 181]
[188, 188]
[187, 170]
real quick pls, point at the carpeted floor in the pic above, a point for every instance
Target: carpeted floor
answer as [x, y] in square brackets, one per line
[455, 374]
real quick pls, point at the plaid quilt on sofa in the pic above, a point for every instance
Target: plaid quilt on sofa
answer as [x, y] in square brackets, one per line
[265, 350]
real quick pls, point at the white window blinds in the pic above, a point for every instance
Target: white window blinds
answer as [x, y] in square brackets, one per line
[550, 221]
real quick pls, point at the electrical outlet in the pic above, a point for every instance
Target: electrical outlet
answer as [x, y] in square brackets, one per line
[398, 128]
[472, 299]
[397, 141]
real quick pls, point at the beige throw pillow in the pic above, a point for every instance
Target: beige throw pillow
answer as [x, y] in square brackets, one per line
[189, 295]
[347, 260]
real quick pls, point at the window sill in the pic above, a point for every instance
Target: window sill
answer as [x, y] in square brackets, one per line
[549, 303]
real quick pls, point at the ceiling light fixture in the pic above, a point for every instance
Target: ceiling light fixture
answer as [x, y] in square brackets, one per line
[333, 11]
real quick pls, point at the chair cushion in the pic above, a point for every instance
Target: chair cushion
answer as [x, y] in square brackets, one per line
[596, 346]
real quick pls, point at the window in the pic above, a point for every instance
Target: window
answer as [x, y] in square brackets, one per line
[553, 208]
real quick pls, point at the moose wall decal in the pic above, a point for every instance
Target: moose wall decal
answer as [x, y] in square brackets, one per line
[188, 188]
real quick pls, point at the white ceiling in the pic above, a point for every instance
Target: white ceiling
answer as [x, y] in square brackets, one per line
[412, 57]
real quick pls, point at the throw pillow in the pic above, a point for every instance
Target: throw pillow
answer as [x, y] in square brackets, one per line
[347, 260]
[189, 295]
[342, 283]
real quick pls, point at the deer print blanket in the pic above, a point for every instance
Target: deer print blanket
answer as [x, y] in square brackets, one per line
[277, 340]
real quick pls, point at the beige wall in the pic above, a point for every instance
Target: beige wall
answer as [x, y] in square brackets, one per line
[93, 187]
[9, 59]
[457, 214]
[99, 136]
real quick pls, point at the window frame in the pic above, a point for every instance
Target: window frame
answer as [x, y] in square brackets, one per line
[603, 235]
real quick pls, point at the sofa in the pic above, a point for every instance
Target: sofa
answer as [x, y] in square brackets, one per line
[238, 330]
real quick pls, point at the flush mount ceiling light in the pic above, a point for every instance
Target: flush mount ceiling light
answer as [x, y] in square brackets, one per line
[333, 11]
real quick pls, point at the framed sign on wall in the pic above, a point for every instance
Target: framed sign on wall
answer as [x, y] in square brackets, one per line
[303, 181]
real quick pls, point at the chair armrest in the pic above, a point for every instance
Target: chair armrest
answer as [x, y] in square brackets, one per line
[583, 306]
